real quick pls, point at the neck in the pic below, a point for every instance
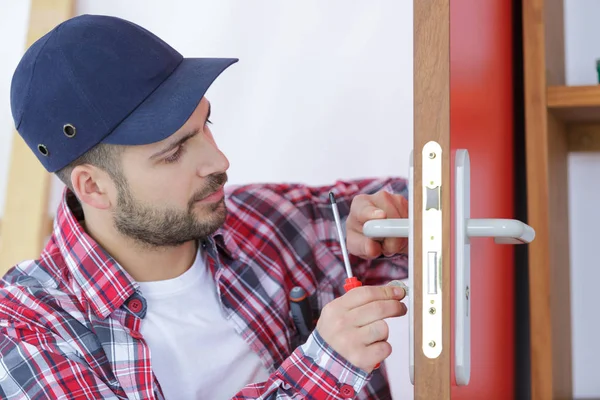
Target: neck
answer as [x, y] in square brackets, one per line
[142, 262]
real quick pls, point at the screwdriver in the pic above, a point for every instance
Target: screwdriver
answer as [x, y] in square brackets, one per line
[351, 281]
[301, 312]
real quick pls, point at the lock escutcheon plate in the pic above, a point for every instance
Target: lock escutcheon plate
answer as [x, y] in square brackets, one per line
[432, 249]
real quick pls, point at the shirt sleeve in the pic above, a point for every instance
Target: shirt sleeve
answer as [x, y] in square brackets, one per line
[313, 371]
[35, 366]
[313, 202]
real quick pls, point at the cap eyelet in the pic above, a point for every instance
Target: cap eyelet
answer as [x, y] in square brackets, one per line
[69, 130]
[43, 149]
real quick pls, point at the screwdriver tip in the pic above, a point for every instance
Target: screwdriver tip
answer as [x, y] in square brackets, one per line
[331, 198]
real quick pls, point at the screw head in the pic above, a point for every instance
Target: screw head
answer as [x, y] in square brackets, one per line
[432, 155]
[432, 343]
[432, 310]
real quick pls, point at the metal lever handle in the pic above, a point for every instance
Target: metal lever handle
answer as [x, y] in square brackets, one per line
[504, 231]
[387, 228]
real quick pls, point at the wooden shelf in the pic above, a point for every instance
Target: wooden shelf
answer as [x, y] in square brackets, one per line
[574, 103]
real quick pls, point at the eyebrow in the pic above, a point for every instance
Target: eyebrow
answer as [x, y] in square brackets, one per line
[181, 140]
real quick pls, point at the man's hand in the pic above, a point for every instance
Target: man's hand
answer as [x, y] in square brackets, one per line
[354, 326]
[376, 206]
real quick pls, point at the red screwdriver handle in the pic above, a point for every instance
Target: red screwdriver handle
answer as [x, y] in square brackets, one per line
[350, 284]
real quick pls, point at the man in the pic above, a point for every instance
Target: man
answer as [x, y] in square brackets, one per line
[157, 281]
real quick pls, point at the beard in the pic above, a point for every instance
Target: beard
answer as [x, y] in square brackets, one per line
[169, 227]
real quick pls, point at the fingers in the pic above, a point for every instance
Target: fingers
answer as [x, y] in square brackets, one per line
[368, 207]
[363, 208]
[367, 294]
[362, 246]
[375, 353]
[393, 246]
[379, 205]
[375, 332]
[378, 310]
[354, 324]
[395, 206]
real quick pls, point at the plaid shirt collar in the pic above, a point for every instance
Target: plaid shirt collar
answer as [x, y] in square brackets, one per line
[105, 284]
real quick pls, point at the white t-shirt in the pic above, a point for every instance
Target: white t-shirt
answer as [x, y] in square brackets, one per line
[195, 352]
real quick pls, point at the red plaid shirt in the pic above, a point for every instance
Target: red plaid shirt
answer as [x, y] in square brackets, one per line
[70, 320]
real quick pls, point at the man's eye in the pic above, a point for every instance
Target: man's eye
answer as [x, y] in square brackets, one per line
[175, 156]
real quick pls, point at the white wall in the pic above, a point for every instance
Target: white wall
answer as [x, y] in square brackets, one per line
[582, 47]
[323, 90]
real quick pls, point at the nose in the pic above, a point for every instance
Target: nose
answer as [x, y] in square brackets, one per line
[212, 161]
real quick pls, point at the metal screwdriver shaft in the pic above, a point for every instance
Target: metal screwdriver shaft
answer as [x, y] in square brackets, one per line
[336, 215]
[351, 281]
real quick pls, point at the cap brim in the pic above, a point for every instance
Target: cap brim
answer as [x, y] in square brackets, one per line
[171, 104]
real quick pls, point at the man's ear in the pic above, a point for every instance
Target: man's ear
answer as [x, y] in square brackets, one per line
[92, 186]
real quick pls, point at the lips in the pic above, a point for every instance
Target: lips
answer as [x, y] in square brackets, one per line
[214, 196]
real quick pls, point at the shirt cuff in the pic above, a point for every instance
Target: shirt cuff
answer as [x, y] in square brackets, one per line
[315, 368]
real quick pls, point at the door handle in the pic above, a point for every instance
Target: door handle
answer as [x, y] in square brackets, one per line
[387, 228]
[504, 231]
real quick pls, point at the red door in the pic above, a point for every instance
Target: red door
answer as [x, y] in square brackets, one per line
[481, 121]
[463, 93]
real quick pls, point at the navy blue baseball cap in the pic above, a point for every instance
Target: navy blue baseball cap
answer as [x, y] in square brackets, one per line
[101, 79]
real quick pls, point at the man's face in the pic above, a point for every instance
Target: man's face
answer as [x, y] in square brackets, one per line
[172, 191]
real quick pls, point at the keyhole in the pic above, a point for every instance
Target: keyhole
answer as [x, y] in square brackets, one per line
[467, 296]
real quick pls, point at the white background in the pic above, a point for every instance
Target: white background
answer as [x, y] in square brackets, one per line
[323, 90]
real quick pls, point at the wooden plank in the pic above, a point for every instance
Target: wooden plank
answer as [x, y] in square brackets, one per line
[536, 144]
[26, 210]
[553, 41]
[559, 268]
[557, 202]
[432, 123]
[46, 229]
[573, 96]
[577, 114]
[575, 103]
[583, 137]
[558, 212]
[550, 322]
[48, 224]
